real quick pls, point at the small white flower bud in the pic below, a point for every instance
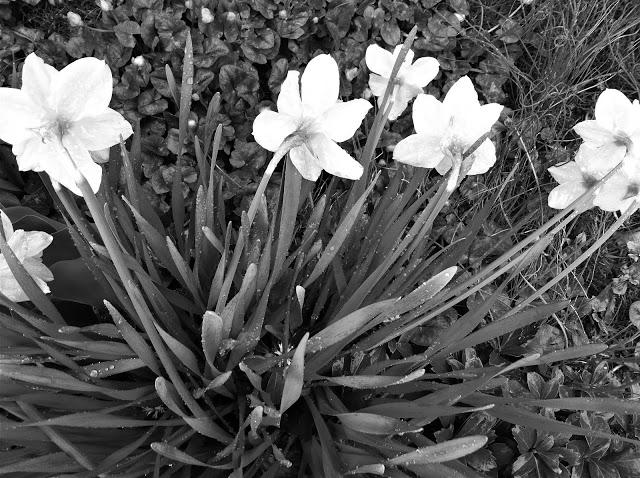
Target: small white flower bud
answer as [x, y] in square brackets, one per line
[188, 4]
[139, 61]
[207, 16]
[366, 94]
[195, 97]
[105, 5]
[459, 16]
[314, 20]
[351, 74]
[282, 14]
[526, 2]
[74, 19]
[192, 123]
[231, 16]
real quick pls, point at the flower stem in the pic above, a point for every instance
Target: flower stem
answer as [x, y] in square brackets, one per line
[140, 306]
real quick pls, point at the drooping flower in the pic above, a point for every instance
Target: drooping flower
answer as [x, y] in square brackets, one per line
[310, 113]
[27, 247]
[58, 117]
[411, 79]
[615, 131]
[448, 128]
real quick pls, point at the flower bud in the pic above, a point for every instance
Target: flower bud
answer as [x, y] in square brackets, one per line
[459, 16]
[366, 94]
[282, 14]
[192, 123]
[105, 5]
[314, 20]
[138, 61]
[74, 19]
[351, 74]
[207, 16]
[231, 16]
[188, 4]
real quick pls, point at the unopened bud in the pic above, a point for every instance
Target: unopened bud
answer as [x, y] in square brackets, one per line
[231, 16]
[282, 14]
[195, 97]
[459, 16]
[366, 94]
[314, 20]
[188, 4]
[138, 61]
[207, 16]
[351, 74]
[192, 123]
[74, 19]
[105, 5]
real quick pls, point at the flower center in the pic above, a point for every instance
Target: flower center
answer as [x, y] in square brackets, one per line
[53, 130]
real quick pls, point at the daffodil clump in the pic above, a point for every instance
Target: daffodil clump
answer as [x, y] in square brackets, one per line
[201, 347]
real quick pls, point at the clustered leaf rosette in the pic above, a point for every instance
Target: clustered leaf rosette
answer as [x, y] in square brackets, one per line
[445, 130]
[312, 119]
[409, 82]
[27, 247]
[58, 117]
[608, 140]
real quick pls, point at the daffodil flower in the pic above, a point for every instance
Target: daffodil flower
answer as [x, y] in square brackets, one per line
[615, 131]
[312, 119]
[58, 117]
[444, 130]
[411, 79]
[575, 178]
[28, 247]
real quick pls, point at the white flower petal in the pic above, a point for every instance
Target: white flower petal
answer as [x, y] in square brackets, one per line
[422, 72]
[378, 85]
[91, 171]
[429, 115]
[461, 96]
[483, 158]
[594, 132]
[614, 194]
[421, 150]
[37, 78]
[33, 154]
[17, 114]
[10, 288]
[38, 272]
[101, 131]
[320, 84]
[598, 161]
[408, 59]
[341, 121]
[7, 227]
[36, 242]
[444, 166]
[402, 95]
[567, 173]
[289, 101]
[270, 129]
[333, 158]
[379, 60]
[305, 163]
[476, 122]
[82, 88]
[564, 194]
[611, 108]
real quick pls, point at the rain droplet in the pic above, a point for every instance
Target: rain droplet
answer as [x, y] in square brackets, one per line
[93, 373]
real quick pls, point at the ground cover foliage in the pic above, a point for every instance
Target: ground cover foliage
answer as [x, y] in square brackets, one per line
[191, 369]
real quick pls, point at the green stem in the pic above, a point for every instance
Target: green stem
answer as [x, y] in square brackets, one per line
[135, 295]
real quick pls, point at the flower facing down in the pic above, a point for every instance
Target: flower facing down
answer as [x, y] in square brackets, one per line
[409, 82]
[58, 117]
[311, 116]
[27, 247]
[615, 131]
[446, 129]
[575, 178]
